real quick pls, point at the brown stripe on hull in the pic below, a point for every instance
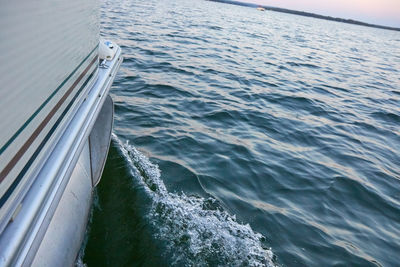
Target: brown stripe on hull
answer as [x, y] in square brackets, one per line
[43, 124]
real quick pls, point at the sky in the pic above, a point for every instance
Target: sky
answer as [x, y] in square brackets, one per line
[383, 12]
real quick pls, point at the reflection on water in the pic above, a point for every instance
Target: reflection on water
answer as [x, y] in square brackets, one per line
[289, 123]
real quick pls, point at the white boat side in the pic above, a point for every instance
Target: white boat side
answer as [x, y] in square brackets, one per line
[49, 53]
[55, 126]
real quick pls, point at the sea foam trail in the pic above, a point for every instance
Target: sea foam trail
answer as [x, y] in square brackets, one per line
[196, 231]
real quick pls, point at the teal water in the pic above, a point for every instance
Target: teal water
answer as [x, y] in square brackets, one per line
[247, 138]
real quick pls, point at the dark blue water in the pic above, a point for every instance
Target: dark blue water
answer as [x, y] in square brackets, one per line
[247, 138]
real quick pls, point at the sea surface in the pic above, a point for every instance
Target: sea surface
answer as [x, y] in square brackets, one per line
[248, 138]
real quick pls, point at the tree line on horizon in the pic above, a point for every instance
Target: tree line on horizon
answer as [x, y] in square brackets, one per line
[307, 14]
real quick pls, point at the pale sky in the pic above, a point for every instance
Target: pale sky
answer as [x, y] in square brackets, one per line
[383, 12]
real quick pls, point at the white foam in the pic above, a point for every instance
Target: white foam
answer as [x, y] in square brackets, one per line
[195, 231]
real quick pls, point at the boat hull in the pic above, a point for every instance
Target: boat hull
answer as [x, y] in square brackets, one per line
[49, 62]
[51, 222]
[55, 126]
[67, 226]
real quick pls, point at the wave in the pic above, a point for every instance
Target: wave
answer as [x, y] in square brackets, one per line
[194, 231]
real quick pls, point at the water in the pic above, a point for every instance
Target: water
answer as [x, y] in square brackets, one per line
[247, 138]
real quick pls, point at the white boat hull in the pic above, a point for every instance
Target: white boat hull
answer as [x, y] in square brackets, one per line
[55, 127]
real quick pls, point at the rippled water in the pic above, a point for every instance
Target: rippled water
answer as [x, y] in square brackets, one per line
[248, 138]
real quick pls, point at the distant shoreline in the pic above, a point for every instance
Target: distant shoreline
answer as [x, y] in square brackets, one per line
[308, 14]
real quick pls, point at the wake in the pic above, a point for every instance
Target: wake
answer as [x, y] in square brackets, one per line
[195, 231]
